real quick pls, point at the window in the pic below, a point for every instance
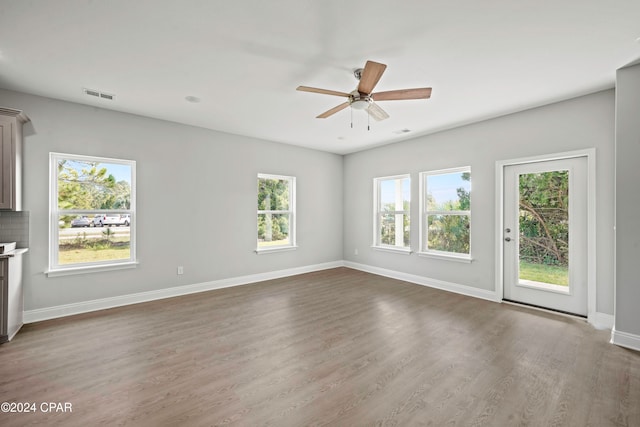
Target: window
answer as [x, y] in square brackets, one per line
[445, 210]
[392, 200]
[276, 212]
[92, 213]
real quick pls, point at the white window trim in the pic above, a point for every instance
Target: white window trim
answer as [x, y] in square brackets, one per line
[431, 253]
[376, 216]
[447, 256]
[263, 251]
[70, 271]
[393, 249]
[62, 270]
[292, 246]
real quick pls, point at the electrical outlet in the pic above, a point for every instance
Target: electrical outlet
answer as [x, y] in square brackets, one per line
[180, 269]
[355, 252]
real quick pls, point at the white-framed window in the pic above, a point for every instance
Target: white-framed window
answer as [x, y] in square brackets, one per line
[391, 209]
[276, 213]
[92, 211]
[445, 213]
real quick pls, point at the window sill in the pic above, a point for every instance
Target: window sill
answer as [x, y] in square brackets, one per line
[403, 251]
[68, 271]
[447, 257]
[276, 249]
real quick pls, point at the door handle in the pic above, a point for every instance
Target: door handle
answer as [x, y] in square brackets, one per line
[507, 239]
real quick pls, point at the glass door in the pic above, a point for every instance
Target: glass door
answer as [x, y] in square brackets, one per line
[545, 244]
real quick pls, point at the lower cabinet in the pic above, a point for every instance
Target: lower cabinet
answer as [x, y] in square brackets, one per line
[11, 296]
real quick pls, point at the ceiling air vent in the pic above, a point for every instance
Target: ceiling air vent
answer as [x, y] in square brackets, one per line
[98, 94]
[401, 131]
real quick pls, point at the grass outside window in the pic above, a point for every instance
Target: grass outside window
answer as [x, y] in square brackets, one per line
[553, 274]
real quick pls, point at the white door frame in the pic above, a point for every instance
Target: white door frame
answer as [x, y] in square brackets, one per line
[590, 154]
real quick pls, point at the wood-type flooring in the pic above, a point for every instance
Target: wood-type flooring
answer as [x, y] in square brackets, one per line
[337, 347]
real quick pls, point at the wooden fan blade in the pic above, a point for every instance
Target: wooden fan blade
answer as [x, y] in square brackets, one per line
[370, 76]
[323, 91]
[392, 95]
[376, 112]
[333, 111]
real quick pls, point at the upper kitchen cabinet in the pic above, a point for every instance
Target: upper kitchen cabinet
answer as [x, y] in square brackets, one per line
[11, 122]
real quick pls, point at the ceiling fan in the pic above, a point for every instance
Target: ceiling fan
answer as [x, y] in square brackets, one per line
[363, 98]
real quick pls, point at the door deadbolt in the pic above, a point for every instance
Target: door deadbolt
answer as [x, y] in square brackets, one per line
[508, 230]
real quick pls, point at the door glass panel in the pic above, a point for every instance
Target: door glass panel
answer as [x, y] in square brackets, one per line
[544, 230]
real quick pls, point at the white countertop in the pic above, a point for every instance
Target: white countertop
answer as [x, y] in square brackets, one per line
[18, 251]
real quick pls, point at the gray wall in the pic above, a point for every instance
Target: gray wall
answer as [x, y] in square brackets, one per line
[579, 123]
[196, 199]
[196, 194]
[627, 200]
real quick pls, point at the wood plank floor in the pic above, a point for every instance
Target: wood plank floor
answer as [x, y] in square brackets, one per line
[336, 347]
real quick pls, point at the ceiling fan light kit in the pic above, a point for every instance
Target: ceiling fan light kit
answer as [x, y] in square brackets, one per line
[363, 98]
[360, 103]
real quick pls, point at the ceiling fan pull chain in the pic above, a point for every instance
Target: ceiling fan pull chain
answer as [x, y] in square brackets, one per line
[368, 120]
[351, 108]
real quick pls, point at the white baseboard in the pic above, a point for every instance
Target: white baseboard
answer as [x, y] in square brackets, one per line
[625, 339]
[598, 320]
[426, 281]
[601, 320]
[37, 315]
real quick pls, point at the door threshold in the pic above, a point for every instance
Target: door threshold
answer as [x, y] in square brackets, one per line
[545, 309]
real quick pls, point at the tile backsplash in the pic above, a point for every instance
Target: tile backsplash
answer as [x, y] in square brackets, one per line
[14, 227]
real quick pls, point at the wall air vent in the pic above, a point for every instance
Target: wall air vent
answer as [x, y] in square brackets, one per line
[98, 94]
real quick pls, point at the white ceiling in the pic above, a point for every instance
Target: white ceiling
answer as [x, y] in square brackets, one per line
[245, 58]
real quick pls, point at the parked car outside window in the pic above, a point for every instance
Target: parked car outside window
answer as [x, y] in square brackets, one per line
[111, 219]
[125, 219]
[81, 221]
